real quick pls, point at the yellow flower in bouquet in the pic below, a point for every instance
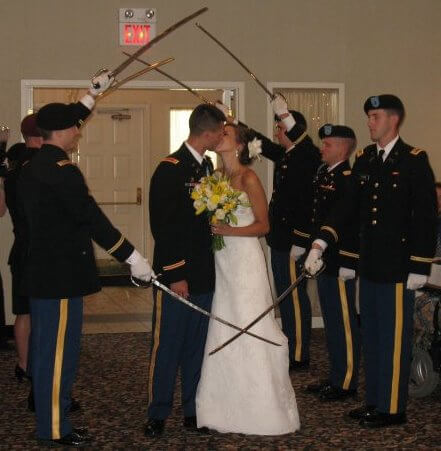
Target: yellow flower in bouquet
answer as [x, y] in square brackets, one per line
[215, 196]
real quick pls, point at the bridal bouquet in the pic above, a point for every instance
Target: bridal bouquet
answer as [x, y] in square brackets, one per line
[214, 195]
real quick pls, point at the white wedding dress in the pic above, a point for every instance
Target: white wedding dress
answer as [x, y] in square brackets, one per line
[245, 387]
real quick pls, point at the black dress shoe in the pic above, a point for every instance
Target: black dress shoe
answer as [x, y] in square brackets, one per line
[74, 404]
[382, 420]
[191, 424]
[20, 373]
[332, 393]
[361, 412]
[154, 428]
[317, 387]
[299, 366]
[73, 440]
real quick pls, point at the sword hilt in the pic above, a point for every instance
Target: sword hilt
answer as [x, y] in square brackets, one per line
[101, 71]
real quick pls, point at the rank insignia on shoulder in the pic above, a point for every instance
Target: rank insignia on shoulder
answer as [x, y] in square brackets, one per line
[359, 153]
[348, 172]
[416, 151]
[62, 163]
[171, 160]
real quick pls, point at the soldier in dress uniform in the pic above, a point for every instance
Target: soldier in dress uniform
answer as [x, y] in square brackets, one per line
[392, 191]
[336, 285]
[184, 258]
[290, 211]
[62, 219]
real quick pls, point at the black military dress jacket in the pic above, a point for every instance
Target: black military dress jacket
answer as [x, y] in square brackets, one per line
[23, 155]
[290, 208]
[182, 239]
[395, 201]
[329, 188]
[62, 219]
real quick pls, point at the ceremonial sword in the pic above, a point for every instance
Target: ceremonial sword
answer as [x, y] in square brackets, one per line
[135, 75]
[179, 298]
[303, 275]
[179, 82]
[149, 44]
[237, 60]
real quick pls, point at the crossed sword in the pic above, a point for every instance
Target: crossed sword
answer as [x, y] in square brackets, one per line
[241, 330]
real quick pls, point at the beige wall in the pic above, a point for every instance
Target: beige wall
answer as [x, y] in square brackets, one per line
[372, 46]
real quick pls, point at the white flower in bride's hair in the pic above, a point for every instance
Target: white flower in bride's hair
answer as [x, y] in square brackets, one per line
[255, 148]
[220, 214]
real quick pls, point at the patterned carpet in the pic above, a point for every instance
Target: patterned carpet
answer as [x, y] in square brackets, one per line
[112, 388]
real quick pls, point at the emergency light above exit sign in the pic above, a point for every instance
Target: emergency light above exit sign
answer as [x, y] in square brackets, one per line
[137, 26]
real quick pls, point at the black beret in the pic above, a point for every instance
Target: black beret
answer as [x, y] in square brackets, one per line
[298, 117]
[336, 131]
[384, 102]
[57, 116]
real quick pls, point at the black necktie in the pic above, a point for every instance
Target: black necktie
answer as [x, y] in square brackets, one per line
[380, 156]
[205, 166]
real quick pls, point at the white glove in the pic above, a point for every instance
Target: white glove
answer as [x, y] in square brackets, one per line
[279, 105]
[346, 274]
[296, 252]
[140, 266]
[416, 281]
[100, 83]
[313, 261]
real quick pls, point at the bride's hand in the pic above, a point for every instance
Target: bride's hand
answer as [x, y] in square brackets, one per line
[222, 229]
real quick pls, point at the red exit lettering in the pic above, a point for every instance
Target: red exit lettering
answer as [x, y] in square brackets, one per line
[136, 34]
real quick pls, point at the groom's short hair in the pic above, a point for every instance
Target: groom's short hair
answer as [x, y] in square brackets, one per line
[205, 117]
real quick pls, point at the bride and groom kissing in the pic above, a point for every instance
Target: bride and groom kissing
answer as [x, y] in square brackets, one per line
[244, 388]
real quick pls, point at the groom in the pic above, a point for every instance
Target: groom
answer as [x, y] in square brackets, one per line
[184, 258]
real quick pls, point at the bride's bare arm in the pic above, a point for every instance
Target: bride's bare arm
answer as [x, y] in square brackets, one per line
[252, 186]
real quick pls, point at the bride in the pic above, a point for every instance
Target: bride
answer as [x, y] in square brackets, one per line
[245, 387]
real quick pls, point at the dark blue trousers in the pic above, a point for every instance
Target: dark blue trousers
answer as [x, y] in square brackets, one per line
[337, 302]
[386, 313]
[179, 335]
[295, 309]
[54, 348]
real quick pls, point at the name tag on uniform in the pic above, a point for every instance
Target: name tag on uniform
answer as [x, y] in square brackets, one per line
[364, 177]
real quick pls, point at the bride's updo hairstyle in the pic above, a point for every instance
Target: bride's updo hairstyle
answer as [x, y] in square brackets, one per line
[243, 136]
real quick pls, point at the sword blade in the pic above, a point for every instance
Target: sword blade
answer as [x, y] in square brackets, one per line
[179, 82]
[263, 314]
[155, 40]
[236, 59]
[135, 75]
[204, 312]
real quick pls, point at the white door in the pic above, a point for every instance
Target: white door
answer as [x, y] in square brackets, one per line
[110, 155]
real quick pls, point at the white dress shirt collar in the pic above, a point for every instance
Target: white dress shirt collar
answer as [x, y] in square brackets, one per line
[199, 158]
[388, 147]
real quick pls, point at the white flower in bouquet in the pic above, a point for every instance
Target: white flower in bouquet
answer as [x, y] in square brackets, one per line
[220, 214]
[243, 198]
[197, 204]
[255, 148]
[211, 205]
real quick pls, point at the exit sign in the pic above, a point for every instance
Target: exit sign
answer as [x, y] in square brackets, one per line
[137, 26]
[136, 34]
